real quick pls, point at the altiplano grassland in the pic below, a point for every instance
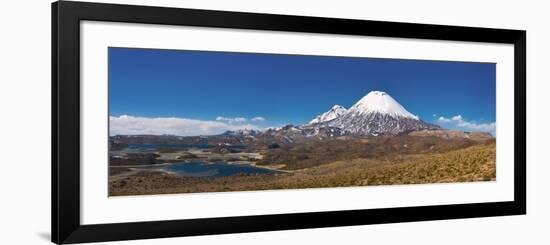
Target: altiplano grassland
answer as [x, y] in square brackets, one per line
[474, 162]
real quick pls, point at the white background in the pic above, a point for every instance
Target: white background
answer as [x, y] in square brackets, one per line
[97, 208]
[25, 101]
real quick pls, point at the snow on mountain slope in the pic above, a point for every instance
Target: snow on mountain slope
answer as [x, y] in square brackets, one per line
[242, 132]
[334, 112]
[380, 102]
[378, 113]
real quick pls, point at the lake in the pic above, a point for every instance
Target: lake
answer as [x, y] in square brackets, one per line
[149, 147]
[218, 169]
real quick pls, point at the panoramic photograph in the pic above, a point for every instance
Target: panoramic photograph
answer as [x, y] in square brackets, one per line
[183, 121]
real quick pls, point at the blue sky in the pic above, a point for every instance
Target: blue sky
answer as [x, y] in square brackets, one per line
[234, 88]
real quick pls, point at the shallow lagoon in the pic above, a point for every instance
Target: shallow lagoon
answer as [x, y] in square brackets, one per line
[154, 147]
[203, 166]
[217, 169]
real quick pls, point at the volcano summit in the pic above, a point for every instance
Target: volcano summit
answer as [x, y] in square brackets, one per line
[375, 114]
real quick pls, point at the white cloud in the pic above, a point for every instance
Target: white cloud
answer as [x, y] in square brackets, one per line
[131, 125]
[457, 118]
[486, 127]
[459, 122]
[231, 119]
[444, 120]
[255, 119]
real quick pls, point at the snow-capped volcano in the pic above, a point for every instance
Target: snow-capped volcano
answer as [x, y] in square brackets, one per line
[334, 112]
[380, 102]
[374, 114]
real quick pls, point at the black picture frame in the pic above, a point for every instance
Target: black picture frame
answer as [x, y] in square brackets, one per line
[66, 17]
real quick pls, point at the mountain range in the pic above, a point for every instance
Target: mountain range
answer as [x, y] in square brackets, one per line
[377, 113]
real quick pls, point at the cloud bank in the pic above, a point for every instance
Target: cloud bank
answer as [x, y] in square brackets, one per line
[460, 122]
[132, 125]
[258, 119]
[231, 119]
[239, 119]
